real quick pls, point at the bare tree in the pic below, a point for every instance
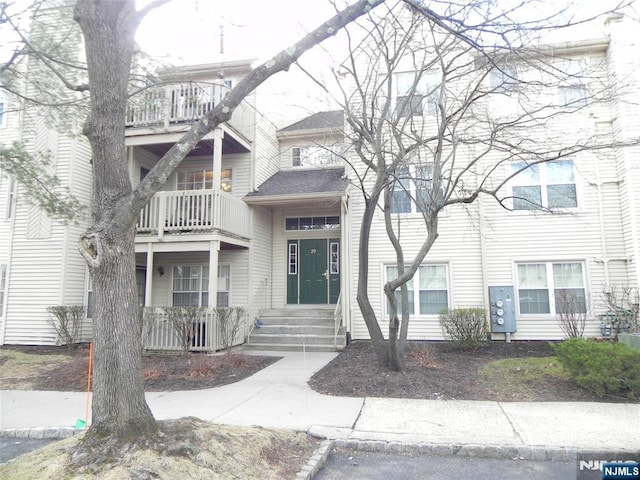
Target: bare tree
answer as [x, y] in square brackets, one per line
[120, 412]
[435, 119]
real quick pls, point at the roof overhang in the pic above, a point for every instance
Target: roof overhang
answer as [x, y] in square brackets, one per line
[297, 198]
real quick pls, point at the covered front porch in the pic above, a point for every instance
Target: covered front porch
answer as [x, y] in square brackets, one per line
[175, 282]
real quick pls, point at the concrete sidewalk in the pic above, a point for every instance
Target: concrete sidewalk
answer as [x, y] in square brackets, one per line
[279, 397]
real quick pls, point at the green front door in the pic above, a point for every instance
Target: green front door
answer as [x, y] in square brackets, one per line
[314, 271]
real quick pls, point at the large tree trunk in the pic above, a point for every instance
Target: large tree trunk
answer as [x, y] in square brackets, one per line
[119, 406]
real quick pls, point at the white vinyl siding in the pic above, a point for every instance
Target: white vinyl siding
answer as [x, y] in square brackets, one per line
[416, 96]
[3, 288]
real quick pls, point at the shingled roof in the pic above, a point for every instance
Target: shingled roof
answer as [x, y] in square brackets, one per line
[333, 119]
[296, 182]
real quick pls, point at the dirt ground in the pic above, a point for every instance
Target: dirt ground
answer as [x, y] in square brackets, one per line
[436, 370]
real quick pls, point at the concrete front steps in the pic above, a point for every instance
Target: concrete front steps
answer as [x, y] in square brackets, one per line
[294, 330]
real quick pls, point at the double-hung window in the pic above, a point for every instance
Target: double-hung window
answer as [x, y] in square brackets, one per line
[3, 287]
[203, 180]
[433, 291]
[314, 156]
[412, 189]
[503, 79]
[572, 92]
[190, 286]
[416, 93]
[544, 185]
[551, 288]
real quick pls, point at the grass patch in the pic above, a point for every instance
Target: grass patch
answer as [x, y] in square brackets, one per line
[19, 367]
[524, 375]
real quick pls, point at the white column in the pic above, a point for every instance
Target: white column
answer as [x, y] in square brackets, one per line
[217, 157]
[214, 248]
[148, 282]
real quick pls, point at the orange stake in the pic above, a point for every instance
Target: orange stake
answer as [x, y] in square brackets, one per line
[86, 411]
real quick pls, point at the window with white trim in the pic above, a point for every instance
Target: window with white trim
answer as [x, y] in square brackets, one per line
[433, 290]
[544, 185]
[572, 92]
[190, 286]
[203, 180]
[293, 259]
[416, 96]
[224, 285]
[314, 156]
[334, 263]
[3, 113]
[415, 182]
[551, 288]
[3, 287]
[503, 79]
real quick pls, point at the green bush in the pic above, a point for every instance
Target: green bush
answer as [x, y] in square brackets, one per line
[601, 367]
[465, 327]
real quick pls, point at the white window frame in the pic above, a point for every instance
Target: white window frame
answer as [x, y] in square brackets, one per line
[219, 284]
[203, 287]
[541, 176]
[89, 303]
[317, 155]
[3, 288]
[3, 111]
[550, 286]
[503, 79]
[414, 191]
[425, 92]
[226, 179]
[414, 293]
[573, 92]
[292, 259]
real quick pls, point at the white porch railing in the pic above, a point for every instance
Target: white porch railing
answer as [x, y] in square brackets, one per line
[337, 318]
[195, 210]
[259, 303]
[184, 102]
[205, 335]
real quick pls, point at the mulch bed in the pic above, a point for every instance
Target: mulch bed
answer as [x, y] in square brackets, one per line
[162, 372]
[437, 370]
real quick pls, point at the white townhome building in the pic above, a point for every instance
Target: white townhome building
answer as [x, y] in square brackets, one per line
[270, 219]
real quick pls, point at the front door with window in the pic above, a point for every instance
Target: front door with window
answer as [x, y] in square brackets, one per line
[313, 271]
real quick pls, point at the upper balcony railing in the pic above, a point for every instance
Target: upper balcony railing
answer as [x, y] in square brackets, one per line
[195, 211]
[182, 103]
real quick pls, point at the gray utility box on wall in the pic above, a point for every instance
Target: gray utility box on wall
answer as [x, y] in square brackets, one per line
[502, 309]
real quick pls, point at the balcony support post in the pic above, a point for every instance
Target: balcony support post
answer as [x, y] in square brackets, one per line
[217, 157]
[148, 283]
[214, 248]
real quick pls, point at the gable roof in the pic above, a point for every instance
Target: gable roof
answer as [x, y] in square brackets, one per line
[333, 119]
[296, 183]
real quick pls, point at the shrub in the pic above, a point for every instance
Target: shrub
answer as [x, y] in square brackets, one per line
[67, 322]
[465, 327]
[601, 367]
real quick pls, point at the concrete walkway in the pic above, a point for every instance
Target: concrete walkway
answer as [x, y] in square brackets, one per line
[279, 397]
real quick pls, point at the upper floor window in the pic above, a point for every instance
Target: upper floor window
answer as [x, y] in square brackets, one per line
[433, 290]
[313, 156]
[545, 288]
[3, 113]
[416, 95]
[544, 185]
[3, 287]
[503, 79]
[203, 179]
[572, 92]
[412, 189]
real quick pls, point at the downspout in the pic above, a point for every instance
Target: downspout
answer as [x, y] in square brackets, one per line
[603, 232]
[345, 255]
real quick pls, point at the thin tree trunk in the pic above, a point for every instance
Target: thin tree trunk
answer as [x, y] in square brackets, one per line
[362, 296]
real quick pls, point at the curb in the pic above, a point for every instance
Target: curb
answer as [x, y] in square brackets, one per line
[49, 433]
[511, 452]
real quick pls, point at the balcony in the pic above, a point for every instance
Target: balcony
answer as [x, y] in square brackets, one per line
[195, 211]
[174, 104]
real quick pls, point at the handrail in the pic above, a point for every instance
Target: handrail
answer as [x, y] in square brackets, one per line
[337, 318]
[258, 304]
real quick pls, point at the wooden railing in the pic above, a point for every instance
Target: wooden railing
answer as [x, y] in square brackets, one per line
[195, 211]
[182, 103]
[205, 334]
